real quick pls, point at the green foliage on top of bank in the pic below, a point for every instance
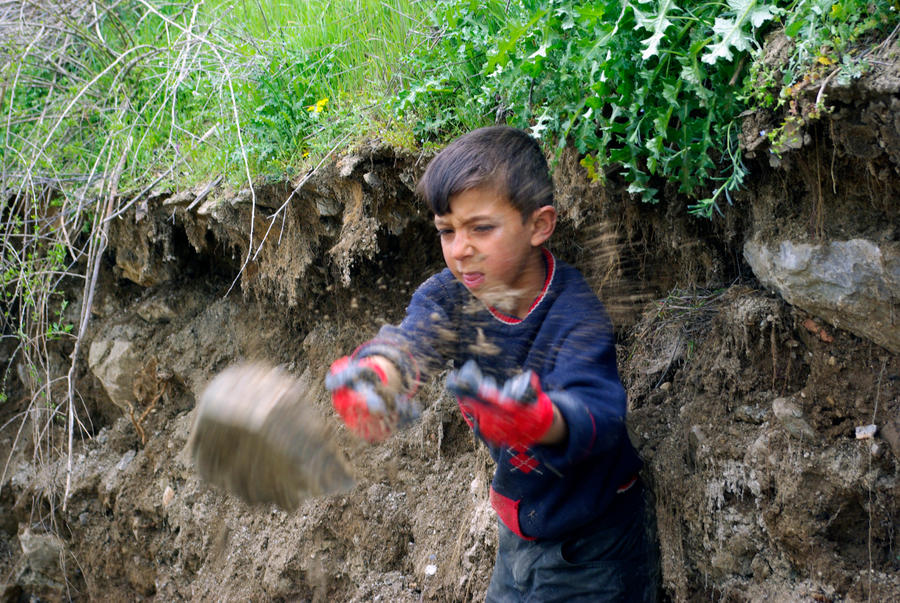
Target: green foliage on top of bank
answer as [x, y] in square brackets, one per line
[647, 90]
[650, 89]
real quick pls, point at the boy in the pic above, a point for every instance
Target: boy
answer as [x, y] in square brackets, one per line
[538, 381]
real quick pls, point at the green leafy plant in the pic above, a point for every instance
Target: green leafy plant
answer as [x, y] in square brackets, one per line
[649, 91]
[638, 89]
[827, 39]
[283, 104]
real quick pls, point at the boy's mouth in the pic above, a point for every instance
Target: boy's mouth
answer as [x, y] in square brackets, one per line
[472, 279]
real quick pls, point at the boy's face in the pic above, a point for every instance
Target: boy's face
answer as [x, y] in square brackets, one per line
[491, 251]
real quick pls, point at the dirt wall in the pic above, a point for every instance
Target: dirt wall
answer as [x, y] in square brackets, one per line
[744, 407]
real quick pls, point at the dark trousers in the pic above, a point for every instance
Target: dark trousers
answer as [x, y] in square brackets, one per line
[612, 563]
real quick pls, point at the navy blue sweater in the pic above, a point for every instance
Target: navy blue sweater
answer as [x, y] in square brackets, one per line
[548, 491]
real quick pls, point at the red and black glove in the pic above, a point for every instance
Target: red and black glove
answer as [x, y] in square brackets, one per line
[356, 386]
[517, 415]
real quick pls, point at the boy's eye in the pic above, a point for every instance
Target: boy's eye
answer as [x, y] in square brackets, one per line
[484, 228]
[442, 232]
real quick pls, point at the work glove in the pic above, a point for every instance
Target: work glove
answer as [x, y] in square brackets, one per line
[516, 415]
[359, 396]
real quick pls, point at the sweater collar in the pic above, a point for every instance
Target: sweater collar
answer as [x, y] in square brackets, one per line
[550, 265]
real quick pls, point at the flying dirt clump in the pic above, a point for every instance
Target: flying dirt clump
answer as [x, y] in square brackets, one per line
[257, 436]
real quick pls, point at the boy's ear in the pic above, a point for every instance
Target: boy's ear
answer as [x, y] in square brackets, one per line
[543, 223]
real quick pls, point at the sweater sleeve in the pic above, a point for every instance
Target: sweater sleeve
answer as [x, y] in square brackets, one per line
[421, 343]
[584, 384]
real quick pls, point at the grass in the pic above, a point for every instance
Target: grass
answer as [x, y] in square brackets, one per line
[188, 81]
[312, 79]
[368, 36]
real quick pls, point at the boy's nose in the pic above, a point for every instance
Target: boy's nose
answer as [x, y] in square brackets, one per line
[460, 247]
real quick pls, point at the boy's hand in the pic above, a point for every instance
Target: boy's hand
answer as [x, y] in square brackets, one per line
[519, 414]
[360, 395]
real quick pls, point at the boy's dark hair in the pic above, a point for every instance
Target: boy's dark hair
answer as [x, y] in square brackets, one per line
[501, 157]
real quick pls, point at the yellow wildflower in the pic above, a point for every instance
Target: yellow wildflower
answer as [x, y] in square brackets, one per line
[320, 104]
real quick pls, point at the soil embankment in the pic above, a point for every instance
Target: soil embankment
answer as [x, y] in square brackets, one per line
[744, 406]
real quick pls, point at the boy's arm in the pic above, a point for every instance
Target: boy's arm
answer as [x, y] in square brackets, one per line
[372, 388]
[576, 409]
[420, 344]
[585, 388]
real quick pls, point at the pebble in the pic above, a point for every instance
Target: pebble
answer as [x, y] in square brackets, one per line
[126, 458]
[372, 179]
[891, 433]
[168, 495]
[750, 414]
[866, 432]
[791, 417]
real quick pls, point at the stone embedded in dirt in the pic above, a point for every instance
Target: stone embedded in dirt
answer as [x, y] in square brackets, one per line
[818, 330]
[168, 496]
[866, 432]
[852, 284]
[42, 551]
[373, 180]
[328, 206]
[697, 444]
[891, 432]
[347, 164]
[791, 418]
[115, 359]
[156, 310]
[750, 414]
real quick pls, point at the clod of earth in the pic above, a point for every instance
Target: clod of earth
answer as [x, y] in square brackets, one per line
[257, 436]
